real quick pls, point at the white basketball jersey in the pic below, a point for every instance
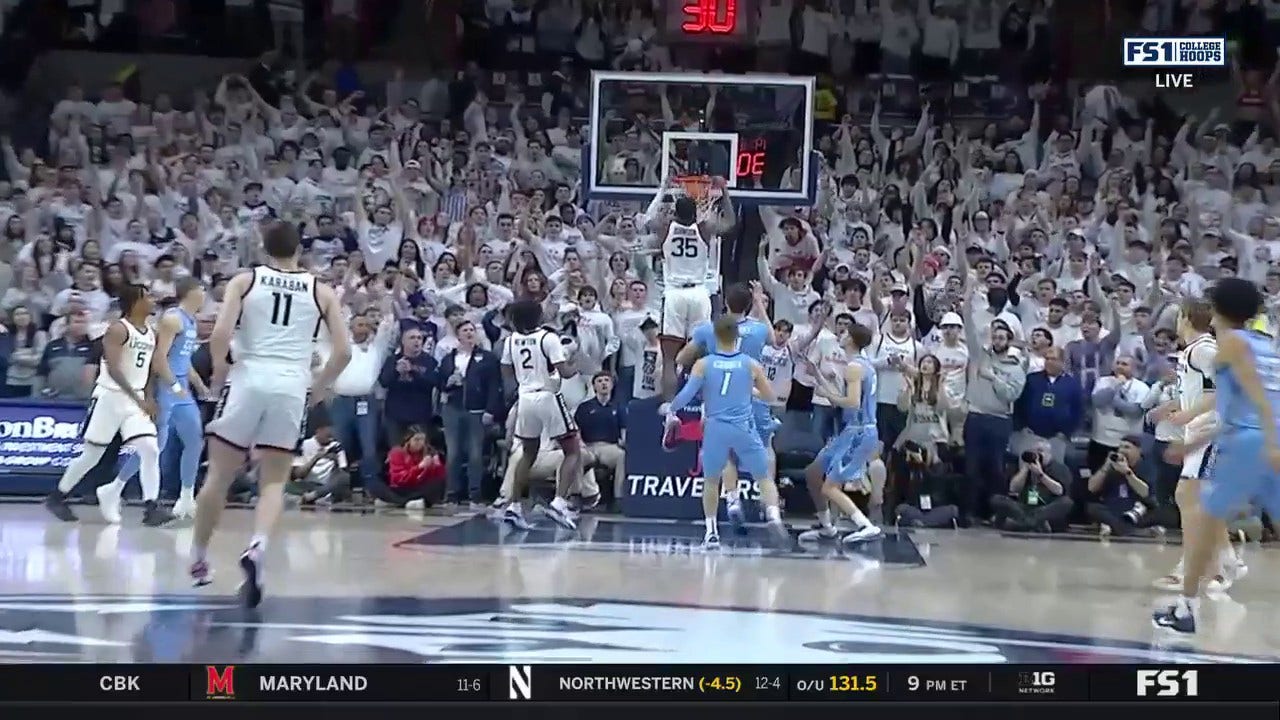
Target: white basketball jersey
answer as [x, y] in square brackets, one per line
[280, 320]
[686, 259]
[779, 367]
[534, 357]
[1195, 376]
[135, 359]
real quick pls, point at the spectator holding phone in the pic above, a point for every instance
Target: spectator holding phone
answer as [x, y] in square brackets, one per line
[319, 473]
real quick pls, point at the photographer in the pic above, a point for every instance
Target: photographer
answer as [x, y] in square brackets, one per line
[1038, 497]
[1118, 497]
[930, 493]
[318, 472]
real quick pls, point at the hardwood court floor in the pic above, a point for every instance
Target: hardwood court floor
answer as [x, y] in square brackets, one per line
[395, 587]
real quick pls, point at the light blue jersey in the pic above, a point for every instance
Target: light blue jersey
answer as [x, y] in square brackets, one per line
[753, 335]
[179, 358]
[865, 413]
[726, 388]
[1238, 474]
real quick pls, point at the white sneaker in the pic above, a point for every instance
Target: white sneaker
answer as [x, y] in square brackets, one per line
[818, 534]
[863, 534]
[185, 507]
[711, 540]
[109, 501]
[417, 504]
[514, 517]
[562, 516]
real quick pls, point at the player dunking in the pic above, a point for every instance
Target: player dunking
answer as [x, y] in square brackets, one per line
[686, 262]
[275, 312]
[122, 404]
[537, 360]
[1195, 384]
[726, 379]
[754, 333]
[1244, 468]
[846, 456]
[176, 391]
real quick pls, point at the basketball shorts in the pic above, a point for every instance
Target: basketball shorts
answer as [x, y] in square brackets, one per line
[1238, 477]
[723, 440]
[683, 308]
[1196, 462]
[246, 417]
[111, 412]
[766, 423]
[543, 413]
[845, 457]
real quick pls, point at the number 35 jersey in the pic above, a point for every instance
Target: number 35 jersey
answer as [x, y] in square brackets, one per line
[276, 334]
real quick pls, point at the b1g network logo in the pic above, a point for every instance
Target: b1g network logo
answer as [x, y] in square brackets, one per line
[1164, 52]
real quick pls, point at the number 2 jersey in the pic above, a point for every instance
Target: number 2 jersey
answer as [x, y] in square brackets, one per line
[275, 337]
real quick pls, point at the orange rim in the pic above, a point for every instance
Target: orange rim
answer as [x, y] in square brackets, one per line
[697, 187]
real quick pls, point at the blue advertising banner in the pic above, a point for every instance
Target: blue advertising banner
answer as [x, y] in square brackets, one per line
[37, 441]
[665, 483]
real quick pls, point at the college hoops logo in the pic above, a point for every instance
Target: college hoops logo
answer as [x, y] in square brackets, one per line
[519, 682]
[220, 684]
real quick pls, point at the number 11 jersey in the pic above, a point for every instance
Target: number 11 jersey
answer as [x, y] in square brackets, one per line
[276, 334]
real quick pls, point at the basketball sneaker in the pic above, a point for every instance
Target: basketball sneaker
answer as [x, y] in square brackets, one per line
[109, 501]
[863, 534]
[513, 515]
[711, 540]
[819, 533]
[185, 507]
[1180, 618]
[250, 591]
[560, 512]
[56, 504]
[201, 573]
[737, 516]
[153, 515]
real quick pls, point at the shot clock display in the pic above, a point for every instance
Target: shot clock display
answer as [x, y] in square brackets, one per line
[710, 21]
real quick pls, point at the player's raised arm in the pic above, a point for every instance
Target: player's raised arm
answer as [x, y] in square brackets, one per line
[225, 326]
[331, 311]
[166, 330]
[691, 387]
[763, 388]
[113, 343]
[557, 356]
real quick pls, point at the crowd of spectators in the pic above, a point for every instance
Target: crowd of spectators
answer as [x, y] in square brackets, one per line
[1022, 274]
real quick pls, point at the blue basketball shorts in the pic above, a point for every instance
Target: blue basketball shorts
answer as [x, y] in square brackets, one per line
[845, 457]
[722, 440]
[1238, 477]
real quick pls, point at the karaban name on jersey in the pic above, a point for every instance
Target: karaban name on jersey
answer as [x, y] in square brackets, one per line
[135, 359]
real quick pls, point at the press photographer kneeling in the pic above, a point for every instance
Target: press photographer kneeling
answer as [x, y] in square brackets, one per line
[931, 491]
[1038, 500]
[1118, 497]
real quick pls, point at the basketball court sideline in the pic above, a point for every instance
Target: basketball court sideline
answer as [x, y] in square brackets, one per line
[386, 588]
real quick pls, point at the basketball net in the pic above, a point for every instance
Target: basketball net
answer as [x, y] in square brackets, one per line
[702, 191]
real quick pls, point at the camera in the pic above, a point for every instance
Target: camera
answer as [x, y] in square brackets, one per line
[1114, 457]
[1030, 456]
[1135, 513]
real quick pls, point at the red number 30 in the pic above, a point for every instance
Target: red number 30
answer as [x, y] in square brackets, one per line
[718, 17]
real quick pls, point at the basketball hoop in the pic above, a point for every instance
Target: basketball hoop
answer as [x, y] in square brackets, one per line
[702, 191]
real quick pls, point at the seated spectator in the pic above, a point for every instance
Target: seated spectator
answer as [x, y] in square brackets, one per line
[470, 382]
[602, 427]
[931, 494]
[410, 381]
[546, 466]
[26, 346]
[64, 372]
[1119, 498]
[319, 473]
[415, 472]
[1038, 499]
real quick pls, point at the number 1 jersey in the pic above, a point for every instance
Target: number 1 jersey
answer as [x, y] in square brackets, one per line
[276, 333]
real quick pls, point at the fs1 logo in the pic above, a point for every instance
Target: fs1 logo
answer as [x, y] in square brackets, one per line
[220, 684]
[1169, 683]
[519, 682]
[1175, 52]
